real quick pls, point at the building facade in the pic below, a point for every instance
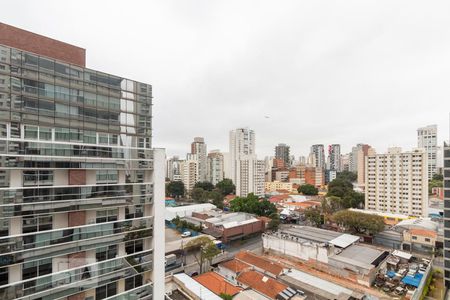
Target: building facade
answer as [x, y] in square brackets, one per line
[334, 156]
[190, 171]
[318, 156]
[173, 169]
[447, 215]
[215, 167]
[282, 152]
[427, 139]
[81, 189]
[198, 147]
[397, 182]
[247, 172]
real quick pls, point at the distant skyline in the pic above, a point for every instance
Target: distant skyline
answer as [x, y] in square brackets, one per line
[300, 73]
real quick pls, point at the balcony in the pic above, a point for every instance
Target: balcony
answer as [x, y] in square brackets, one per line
[61, 242]
[65, 283]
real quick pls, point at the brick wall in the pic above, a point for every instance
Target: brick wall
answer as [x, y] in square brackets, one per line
[77, 177]
[38, 44]
[247, 229]
[77, 218]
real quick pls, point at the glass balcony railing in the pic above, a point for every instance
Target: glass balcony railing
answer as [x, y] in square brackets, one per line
[65, 283]
[16, 249]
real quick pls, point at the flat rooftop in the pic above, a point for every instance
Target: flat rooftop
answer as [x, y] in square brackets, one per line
[312, 234]
[359, 256]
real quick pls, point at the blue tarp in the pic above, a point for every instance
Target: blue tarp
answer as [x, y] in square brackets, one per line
[390, 274]
[414, 281]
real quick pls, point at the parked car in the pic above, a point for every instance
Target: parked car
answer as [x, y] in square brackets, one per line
[186, 234]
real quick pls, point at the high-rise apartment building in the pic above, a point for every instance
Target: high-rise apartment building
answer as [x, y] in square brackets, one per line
[427, 139]
[81, 192]
[215, 167]
[334, 157]
[190, 171]
[247, 172]
[318, 156]
[282, 152]
[447, 215]
[357, 161]
[173, 169]
[397, 182]
[198, 147]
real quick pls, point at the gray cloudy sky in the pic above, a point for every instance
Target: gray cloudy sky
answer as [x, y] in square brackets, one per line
[324, 71]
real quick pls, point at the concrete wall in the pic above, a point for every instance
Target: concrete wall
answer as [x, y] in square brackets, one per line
[246, 229]
[304, 251]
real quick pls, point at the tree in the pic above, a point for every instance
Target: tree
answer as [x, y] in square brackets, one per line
[308, 189]
[274, 222]
[198, 194]
[205, 185]
[216, 197]
[175, 189]
[226, 187]
[347, 176]
[438, 177]
[357, 222]
[251, 204]
[207, 250]
[313, 215]
[226, 296]
[331, 204]
[343, 189]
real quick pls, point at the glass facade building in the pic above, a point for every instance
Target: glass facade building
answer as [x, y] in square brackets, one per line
[77, 182]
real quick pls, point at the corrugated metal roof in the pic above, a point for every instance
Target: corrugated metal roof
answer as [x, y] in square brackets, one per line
[344, 240]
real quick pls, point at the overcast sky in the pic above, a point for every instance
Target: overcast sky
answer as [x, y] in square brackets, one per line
[322, 71]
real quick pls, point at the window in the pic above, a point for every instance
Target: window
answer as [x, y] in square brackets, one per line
[427, 240]
[4, 278]
[62, 134]
[103, 138]
[31, 132]
[35, 224]
[133, 282]
[106, 291]
[38, 177]
[45, 133]
[107, 176]
[414, 237]
[90, 137]
[104, 253]
[132, 212]
[109, 215]
[4, 228]
[36, 268]
[134, 246]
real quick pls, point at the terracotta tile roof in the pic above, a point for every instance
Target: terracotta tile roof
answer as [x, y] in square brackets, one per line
[217, 284]
[265, 285]
[259, 262]
[235, 265]
[423, 232]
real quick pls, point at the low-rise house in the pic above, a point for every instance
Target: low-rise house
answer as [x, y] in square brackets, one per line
[232, 226]
[217, 284]
[267, 286]
[263, 265]
[232, 268]
[421, 240]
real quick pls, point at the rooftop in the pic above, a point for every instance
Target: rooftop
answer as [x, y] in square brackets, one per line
[312, 234]
[265, 285]
[423, 232]
[217, 284]
[259, 262]
[228, 220]
[195, 287]
[318, 283]
[235, 265]
[250, 295]
[360, 256]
